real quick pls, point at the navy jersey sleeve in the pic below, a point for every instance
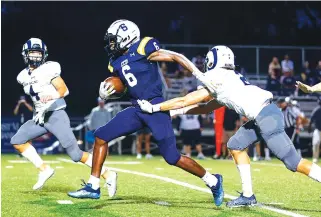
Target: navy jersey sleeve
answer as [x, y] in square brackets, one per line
[148, 46]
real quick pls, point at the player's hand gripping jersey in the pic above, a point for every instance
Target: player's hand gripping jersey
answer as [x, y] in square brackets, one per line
[38, 83]
[140, 75]
[231, 89]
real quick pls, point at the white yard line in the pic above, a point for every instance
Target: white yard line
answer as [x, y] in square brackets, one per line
[64, 202]
[194, 187]
[268, 164]
[106, 163]
[59, 167]
[26, 161]
[265, 163]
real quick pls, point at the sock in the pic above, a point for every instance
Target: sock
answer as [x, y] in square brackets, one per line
[267, 152]
[209, 179]
[254, 152]
[31, 154]
[89, 162]
[315, 173]
[94, 181]
[245, 173]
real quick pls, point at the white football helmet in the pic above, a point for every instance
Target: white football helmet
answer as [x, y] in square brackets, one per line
[120, 36]
[34, 44]
[219, 56]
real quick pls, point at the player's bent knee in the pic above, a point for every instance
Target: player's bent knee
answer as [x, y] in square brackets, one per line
[291, 159]
[233, 144]
[169, 151]
[74, 153]
[15, 140]
[100, 134]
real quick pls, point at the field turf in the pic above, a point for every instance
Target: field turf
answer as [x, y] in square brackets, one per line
[150, 191]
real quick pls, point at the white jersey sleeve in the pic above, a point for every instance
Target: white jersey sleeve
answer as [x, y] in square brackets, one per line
[231, 89]
[22, 76]
[53, 69]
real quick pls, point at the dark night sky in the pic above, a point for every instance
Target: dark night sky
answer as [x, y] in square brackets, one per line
[73, 32]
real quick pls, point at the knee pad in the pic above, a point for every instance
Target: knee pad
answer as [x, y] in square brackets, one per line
[168, 150]
[291, 159]
[14, 141]
[74, 153]
[234, 144]
[17, 140]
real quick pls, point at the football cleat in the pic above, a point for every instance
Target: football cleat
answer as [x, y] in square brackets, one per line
[217, 190]
[242, 201]
[43, 177]
[111, 183]
[216, 157]
[201, 156]
[86, 192]
[148, 156]
[139, 156]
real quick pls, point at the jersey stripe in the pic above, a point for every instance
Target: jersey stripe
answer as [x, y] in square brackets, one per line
[142, 45]
[110, 68]
[289, 118]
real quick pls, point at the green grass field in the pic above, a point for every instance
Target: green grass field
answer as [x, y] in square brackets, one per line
[139, 195]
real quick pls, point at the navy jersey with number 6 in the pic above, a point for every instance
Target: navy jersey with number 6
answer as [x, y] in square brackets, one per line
[143, 82]
[140, 75]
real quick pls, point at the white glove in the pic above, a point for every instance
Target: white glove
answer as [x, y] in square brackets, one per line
[106, 90]
[305, 88]
[39, 118]
[148, 107]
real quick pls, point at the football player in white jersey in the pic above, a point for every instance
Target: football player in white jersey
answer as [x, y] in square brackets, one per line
[229, 88]
[42, 81]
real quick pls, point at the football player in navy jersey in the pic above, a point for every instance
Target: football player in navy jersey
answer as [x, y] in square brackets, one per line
[134, 61]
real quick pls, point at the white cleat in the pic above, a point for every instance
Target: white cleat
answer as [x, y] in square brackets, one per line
[111, 183]
[267, 159]
[315, 160]
[148, 156]
[139, 156]
[255, 158]
[201, 156]
[43, 176]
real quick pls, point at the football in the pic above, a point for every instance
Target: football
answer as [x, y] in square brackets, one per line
[117, 83]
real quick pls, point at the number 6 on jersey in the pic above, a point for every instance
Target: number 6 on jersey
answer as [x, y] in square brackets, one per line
[130, 77]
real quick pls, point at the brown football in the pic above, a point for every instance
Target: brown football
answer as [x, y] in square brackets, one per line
[117, 83]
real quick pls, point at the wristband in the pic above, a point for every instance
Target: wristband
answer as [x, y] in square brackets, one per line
[156, 108]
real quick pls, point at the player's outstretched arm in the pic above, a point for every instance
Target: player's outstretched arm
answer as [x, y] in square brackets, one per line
[187, 104]
[307, 89]
[61, 88]
[170, 56]
[204, 108]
